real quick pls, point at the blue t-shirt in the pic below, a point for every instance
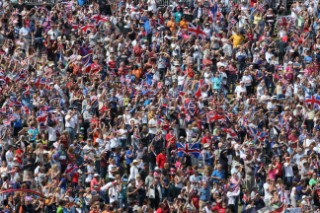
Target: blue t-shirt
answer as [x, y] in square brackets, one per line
[129, 159]
[81, 2]
[33, 133]
[216, 81]
[218, 174]
[204, 194]
[308, 59]
[177, 16]
[63, 184]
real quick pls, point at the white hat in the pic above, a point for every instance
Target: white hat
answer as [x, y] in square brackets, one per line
[207, 145]
[176, 63]
[96, 175]
[135, 161]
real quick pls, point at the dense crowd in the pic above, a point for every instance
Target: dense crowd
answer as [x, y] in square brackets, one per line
[159, 106]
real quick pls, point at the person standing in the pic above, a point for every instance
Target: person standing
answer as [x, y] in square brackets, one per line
[71, 123]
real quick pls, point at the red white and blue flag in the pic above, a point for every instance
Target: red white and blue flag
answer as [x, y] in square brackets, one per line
[314, 101]
[254, 132]
[197, 31]
[87, 28]
[100, 18]
[230, 132]
[188, 149]
[212, 116]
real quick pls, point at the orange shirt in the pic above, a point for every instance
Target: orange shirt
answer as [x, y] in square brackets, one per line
[172, 25]
[137, 73]
[184, 24]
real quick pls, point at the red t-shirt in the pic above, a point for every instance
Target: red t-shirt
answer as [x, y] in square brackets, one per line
[94, 182]
[75, 177]
[18, 153]
[205, 140]
[161, 160]
[170, 139]
[195, 201]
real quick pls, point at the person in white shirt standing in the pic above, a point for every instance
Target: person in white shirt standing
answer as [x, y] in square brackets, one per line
[240, 90]
[71, 123]
[288, 172]
[25, 38]
[152, 124]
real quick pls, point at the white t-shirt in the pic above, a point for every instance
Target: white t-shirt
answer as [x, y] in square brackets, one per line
[89, 176]
[122, 133]
[114, 143]
[53, 35]
[52, 132]
[72, 122]
[134, 172]
[113, 193]
[110, 168]
[239, 89]
[152, 122]
[247, 79]
[181, 79]
[288, 170]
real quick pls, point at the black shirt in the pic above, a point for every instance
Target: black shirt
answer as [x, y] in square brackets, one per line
[38, 32]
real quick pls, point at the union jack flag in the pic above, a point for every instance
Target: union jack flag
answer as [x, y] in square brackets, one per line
[197, 31]
[68, 5]
[25, 110]
[87, 28]
[213, 116]
[283, 21]
[42, 117]
[282, 123]
[254, 132]
[39, 81]
[71, 168]
[2, 81]
[260, 7]
[14, 102]
[230, 132]
[262, 135]
[19, 77]
[314, 101]
[280, 209]
[100, 18]
[3, 110]
[188, 149]
[6, 122]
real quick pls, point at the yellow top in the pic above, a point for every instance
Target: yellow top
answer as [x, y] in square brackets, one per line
[236, 40]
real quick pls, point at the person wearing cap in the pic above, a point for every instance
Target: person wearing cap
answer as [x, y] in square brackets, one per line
[207, 156]
[134, 171]
[95, 183]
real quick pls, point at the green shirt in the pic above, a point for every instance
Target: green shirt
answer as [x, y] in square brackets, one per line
[312, 182]
[60, 209]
